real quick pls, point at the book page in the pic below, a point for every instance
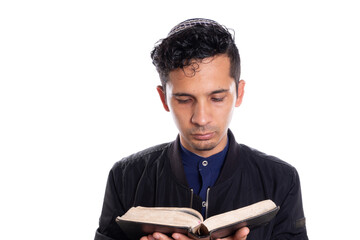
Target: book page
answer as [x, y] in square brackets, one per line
[180, 217]
[237, 215]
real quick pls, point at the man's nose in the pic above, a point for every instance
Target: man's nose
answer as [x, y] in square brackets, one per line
[201, 114]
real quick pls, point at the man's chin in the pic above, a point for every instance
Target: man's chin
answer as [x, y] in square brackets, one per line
[203, 147]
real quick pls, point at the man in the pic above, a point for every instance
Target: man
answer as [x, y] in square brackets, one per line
[204, 168]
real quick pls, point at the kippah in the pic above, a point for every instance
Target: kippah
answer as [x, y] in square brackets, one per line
[192, 22]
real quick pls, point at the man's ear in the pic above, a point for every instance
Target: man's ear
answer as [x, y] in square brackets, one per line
[240, 93]
[162, 95]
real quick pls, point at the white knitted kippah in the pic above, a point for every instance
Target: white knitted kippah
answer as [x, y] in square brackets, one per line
[192, 22]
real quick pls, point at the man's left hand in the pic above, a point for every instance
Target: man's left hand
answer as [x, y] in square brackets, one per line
[240, 234]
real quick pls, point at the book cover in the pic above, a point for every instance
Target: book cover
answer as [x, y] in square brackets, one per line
[141, 221]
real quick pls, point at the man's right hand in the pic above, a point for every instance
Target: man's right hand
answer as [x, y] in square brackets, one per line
[161, 236]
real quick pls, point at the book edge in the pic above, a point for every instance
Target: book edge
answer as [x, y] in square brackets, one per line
[271, 214]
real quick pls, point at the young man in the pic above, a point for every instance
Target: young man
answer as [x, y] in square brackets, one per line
[204, 168]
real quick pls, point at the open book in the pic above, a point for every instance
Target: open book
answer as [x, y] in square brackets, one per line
[141, 221]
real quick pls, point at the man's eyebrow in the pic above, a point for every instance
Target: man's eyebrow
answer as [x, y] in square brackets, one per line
[183, 94]
[180, 94]
[219, 91]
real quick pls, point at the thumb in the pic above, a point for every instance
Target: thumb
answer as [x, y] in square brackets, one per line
[242, 233]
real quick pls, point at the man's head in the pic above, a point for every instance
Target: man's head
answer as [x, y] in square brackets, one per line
[195, 39]
[199, 67]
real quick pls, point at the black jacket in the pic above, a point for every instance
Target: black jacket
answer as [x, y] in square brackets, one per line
[155, 177]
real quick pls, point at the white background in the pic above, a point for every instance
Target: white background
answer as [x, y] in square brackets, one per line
[77, 93]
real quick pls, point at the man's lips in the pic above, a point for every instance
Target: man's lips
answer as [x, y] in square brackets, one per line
[203, 136]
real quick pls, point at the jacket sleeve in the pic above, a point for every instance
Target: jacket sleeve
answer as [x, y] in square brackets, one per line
[290, 221]
[112, 207]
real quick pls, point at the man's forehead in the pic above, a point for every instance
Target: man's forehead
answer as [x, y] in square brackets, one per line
[198, 93]
[195, 86]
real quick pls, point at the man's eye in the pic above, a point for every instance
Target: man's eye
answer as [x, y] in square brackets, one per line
[183, 101]
[217, 99]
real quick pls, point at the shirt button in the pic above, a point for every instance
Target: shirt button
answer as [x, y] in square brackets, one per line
[203, 204]
[205, 163]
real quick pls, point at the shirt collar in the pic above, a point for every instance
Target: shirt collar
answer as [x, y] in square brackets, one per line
[192, 160]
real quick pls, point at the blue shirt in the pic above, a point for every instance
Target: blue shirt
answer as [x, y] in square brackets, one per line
[202, 173]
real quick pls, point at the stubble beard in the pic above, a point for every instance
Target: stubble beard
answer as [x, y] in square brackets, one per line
[204, 145]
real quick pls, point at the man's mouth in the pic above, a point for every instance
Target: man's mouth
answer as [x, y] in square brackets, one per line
[203, 136]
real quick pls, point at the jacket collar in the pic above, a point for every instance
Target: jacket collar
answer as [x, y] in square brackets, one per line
[229, 168]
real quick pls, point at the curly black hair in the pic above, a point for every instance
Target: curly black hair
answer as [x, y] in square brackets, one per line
[195, 42]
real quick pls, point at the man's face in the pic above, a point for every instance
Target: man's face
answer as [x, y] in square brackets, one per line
[202, 104]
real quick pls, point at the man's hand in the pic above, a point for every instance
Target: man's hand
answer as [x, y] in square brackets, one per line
[240, 234]
[160, 236]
